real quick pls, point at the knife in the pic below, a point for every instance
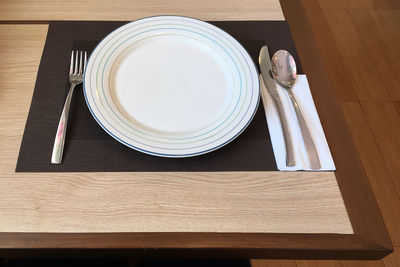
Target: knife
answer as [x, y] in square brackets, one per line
[265, 66]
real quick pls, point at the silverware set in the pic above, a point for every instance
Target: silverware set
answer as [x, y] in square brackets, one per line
[282, 69]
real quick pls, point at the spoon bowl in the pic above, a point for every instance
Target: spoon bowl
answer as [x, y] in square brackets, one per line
[284, 68]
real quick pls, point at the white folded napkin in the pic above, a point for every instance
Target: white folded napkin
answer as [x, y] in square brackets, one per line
[301, 91]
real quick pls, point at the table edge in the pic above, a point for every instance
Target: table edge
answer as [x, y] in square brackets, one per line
[192, 245]
[362, 208]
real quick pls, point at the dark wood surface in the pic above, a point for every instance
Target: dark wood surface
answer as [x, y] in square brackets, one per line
[350, 34]
[190, 245]
[370, 240]
[360, 203]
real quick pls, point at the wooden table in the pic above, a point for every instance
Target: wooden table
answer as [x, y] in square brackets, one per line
[226, 214]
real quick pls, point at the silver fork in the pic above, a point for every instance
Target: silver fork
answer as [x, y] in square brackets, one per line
[75, 78]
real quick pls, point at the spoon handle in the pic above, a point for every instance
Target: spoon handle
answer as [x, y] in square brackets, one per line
[286, 135]
[309, 143]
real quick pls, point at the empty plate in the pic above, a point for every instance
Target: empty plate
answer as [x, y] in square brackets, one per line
[171, 86]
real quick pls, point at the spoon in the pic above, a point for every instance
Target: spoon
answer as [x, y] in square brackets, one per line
[284, 72]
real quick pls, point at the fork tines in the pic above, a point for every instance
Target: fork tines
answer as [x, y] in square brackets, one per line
[77, 61]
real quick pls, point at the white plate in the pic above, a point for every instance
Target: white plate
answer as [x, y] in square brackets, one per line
[171, 86]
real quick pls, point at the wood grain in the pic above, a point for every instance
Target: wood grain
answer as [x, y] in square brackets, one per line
[385, 58]
[375, 135]
[173, 202]
[393, 260]
[317, 263]
[338, 70]
[379, 176]
[397, 105]
[350, 41]
[361, 264]
[375, 24]
[146, 202]
[387, 21]
[372, 4]
[377, 30]
[356, 191]
[39, 10]
[385, 124]
[273, 263]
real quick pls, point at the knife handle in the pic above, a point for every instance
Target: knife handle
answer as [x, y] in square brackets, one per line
[286, 134]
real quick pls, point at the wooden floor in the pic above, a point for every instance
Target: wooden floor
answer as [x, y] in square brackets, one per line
[359, 41]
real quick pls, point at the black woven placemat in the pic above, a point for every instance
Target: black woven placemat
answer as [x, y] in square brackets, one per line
[89, 148]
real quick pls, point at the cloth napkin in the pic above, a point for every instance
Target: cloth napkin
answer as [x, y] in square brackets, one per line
[302, 93]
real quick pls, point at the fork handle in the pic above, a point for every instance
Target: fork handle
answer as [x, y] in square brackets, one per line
[59, 141]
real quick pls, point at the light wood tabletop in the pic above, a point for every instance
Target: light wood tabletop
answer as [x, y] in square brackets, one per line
[124, 10]
[197, 202]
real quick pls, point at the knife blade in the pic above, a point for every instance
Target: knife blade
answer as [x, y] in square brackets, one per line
[265, 67]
